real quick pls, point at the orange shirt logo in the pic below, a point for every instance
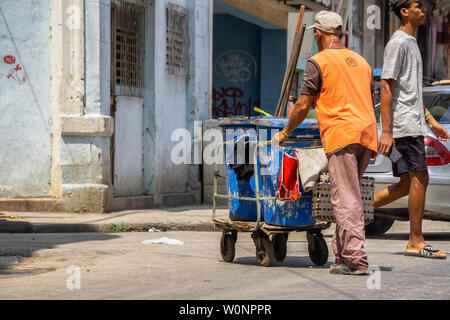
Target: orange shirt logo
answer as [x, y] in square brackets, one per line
[351, 62]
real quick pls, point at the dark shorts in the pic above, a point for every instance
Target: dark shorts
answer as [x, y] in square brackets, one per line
[414, 156]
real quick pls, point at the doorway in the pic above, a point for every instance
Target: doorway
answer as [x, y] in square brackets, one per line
[127, 95]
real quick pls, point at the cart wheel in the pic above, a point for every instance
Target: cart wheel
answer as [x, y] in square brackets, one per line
[227, 247]
[234, 233]
[317, 248]
[265, 254]
[279, 246]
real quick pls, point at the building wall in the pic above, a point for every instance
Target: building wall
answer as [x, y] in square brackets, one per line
[86, 123]
[56, 125]
[237, 63]
[273, 67]
[173, 102]
[25, 140]
[374, 40]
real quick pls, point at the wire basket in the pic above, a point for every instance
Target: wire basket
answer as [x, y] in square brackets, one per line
[322, 209]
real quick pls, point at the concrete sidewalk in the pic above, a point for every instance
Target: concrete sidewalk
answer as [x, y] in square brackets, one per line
[193, 218]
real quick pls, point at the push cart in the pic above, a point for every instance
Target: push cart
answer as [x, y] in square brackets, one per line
[270, 240]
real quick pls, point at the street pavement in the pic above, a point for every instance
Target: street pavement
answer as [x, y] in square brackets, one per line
[187, 218]
[120, 266]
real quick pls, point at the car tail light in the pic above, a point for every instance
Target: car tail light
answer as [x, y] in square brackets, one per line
[437, 153]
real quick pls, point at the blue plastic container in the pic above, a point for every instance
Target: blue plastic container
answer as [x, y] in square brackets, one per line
[271, 125]
[283, 213]
[274, 212]
[240, 181]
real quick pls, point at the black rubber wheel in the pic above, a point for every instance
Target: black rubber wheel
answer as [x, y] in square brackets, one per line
[279, 246]
[265, 255]
[318, 249]
[234, 234]
[227, 247]
[379, 226]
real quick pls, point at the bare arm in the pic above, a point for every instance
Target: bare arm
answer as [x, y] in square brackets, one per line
[439, 131]
[386, 139]
[299, 113]
[297, 117]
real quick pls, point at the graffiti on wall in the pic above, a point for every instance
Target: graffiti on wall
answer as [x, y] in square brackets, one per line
[226, 102]
[17, 73]
[236, 66]
[9, 59]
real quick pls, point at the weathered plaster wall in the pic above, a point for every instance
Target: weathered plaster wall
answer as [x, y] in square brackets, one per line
[98, 48]
[173, 102]
[69, 137]
[86, 133]
[25, 142]
[149, 136]
[170, 113]
[199, 84]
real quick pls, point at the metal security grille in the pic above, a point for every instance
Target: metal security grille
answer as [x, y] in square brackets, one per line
[127, 47]
[177, 40]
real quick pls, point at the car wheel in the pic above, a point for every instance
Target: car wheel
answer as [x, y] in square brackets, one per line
[379, 226]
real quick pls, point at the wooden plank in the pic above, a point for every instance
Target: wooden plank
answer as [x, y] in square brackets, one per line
[292, 74]
[292, 56]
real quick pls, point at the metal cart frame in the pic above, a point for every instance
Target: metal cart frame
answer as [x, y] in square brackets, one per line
[267, 251]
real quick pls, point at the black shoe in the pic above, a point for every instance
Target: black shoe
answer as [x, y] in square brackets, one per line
[344, 269]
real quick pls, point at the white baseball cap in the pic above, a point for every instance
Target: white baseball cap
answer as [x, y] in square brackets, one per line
[329, 22]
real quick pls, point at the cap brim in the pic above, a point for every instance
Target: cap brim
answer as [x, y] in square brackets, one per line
[310, 27]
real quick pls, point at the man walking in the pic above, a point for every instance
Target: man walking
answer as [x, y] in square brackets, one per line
[404, 120]
[339, 80]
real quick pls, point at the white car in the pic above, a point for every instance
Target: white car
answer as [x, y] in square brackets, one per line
[437, 205]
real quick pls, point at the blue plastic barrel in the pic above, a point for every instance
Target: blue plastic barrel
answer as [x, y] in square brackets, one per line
[240, 178]
[239, 183]
[277, 212]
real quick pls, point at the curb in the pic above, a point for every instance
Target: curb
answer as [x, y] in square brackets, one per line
[27, 227]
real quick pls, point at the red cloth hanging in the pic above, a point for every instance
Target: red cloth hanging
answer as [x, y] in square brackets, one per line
[288, 181]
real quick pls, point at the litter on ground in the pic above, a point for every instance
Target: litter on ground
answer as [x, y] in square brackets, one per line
[164, 240]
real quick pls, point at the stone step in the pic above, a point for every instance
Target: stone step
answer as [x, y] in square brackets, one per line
[30, 205]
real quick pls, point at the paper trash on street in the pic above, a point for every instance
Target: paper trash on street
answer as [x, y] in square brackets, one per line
[164, 240]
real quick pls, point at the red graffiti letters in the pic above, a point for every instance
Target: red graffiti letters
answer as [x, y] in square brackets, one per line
[17, 74]
[9, 59]
[226, 103]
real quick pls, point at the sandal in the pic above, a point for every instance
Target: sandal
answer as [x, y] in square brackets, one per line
[426, 252]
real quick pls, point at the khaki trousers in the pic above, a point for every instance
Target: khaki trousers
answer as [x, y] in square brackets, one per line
[346, 167]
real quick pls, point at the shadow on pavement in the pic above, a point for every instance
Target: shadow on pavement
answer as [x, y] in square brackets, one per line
[429, 236]
[196, 207]
[13, 226]
[290, 262]
[15, 246]
[294, 263]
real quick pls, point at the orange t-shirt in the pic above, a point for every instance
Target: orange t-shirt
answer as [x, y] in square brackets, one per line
[344, 105]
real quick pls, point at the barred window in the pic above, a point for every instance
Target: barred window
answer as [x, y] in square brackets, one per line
[177, 40]
[127, 47]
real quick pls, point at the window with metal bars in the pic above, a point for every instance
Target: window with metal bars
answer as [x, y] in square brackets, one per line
[177, 21]
[127, 47]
